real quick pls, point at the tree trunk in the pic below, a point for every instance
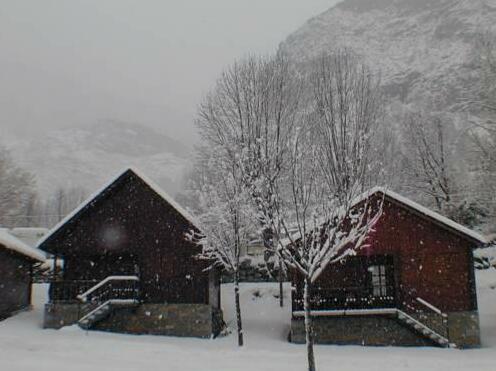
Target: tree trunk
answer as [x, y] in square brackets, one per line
[281, 285]
[238, 309]
[308, 326]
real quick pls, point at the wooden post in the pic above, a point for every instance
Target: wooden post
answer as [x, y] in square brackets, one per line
[30, 288]
[53, 285]
[54, 270]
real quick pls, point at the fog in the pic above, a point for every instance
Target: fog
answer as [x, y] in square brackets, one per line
[73, 63]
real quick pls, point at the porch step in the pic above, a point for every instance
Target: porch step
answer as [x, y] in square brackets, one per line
[103, 310]
[423, 329]
[99, 300]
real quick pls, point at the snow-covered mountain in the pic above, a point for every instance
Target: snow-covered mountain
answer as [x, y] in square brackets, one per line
[421, 47]
[86, 157]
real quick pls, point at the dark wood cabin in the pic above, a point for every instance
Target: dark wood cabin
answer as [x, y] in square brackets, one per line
[128, 240]
[16, 267]
[413, 285]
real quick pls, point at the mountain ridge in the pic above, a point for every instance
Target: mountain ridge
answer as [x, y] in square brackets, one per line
[418, 46]
[86, 157]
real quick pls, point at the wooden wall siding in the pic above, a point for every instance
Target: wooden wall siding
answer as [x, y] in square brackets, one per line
[97, 267]
[132, 224]
[354, 272]
[15, 283]
[430, 261]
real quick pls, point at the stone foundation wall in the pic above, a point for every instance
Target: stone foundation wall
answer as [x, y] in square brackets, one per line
[357, 330]
[383, 330]
[60, 315]
[464, 329]
[189, 320]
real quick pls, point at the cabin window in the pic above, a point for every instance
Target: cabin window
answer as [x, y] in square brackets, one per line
[379, 280]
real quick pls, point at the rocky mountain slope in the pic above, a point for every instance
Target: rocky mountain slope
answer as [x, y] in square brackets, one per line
[421, 47]
[87, 157]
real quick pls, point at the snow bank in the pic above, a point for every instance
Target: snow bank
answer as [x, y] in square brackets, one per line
[24, 345]
[488, 254]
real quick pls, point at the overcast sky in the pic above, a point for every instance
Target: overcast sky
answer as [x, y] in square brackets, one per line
[76, 62]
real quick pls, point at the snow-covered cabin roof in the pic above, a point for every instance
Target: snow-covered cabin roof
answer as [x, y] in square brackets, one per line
[422, 210]
[14, 244]
[428, 213]
[153, 186]
[181, 210]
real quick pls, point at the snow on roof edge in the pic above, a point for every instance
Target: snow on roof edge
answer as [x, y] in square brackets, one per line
[29, 229]
[428, 212]
[11, 242]
[416, 206]
[81, 206]
[155, 187]
[95, 194]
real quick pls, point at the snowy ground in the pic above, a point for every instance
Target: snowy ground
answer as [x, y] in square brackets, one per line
[25, 346]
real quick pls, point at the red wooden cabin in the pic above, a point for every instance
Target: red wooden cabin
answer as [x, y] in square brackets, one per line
[413, 285]
[128, 266]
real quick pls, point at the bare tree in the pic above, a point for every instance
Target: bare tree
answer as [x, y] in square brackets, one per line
[482, 133]
[323, 220]
[60, 204]
[250, 115]
[225, 223]
[429, 150]
[17, 192]
[321, 225]
[304, 154]
[347, 108]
